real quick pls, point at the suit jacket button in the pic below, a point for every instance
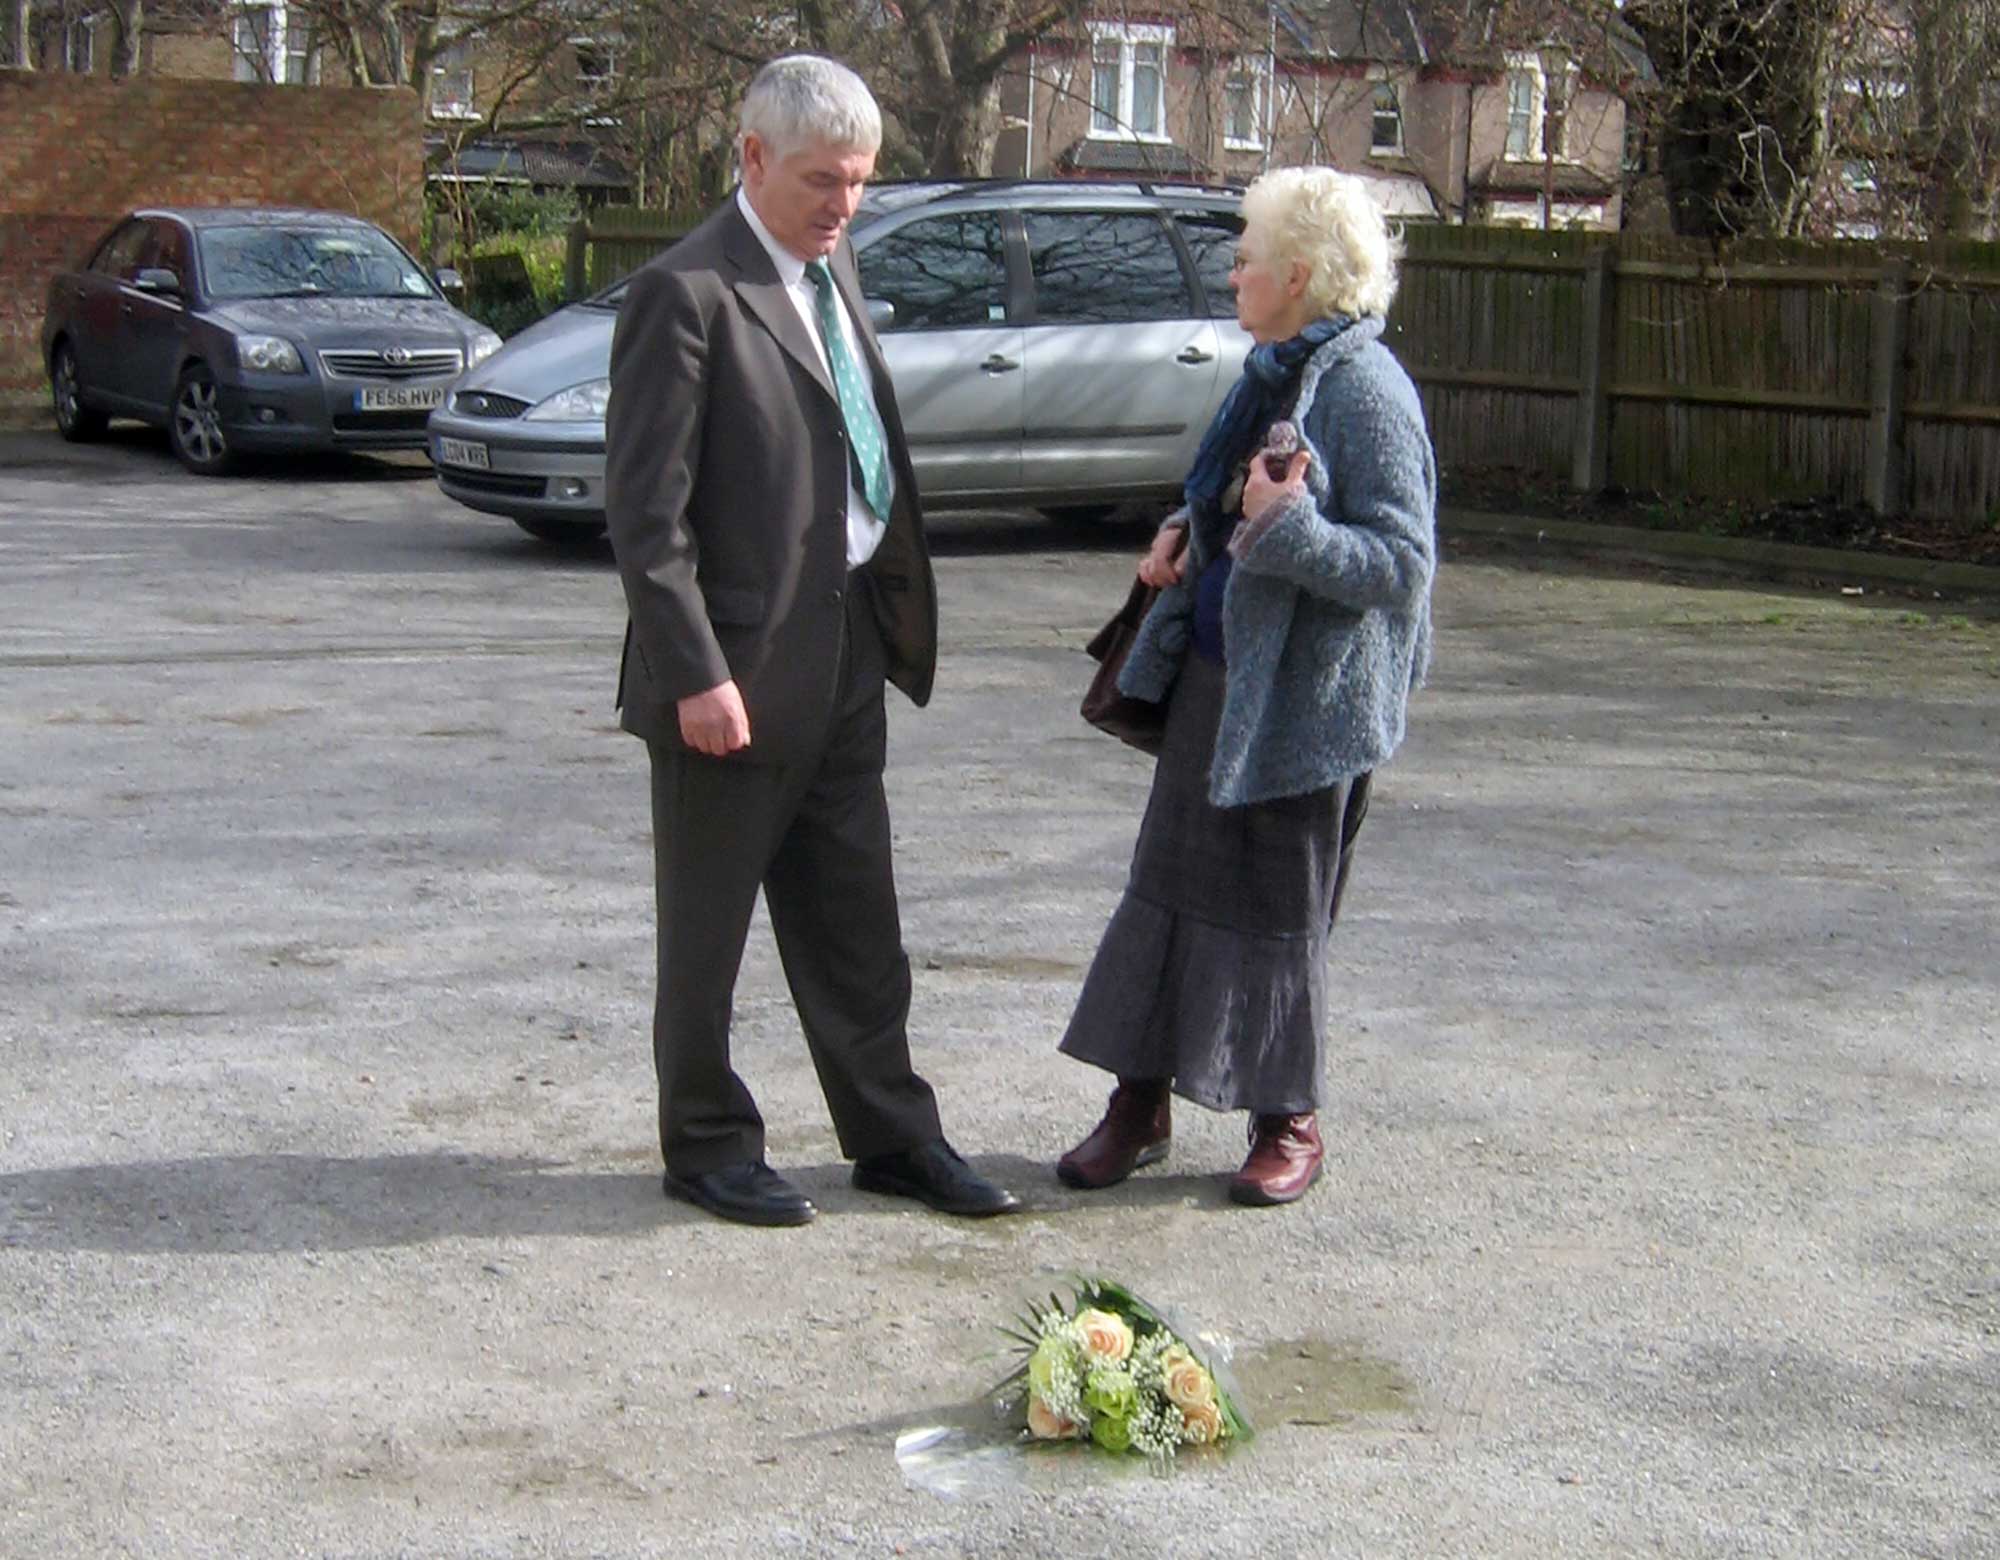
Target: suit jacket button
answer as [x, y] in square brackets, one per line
[837, 594]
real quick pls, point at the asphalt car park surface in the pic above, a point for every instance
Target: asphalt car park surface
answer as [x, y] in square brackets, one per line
[1661, 1205]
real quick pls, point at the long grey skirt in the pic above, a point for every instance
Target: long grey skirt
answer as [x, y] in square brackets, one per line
[1212, 971]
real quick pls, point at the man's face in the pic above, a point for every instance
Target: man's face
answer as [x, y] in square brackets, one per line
[807, 197]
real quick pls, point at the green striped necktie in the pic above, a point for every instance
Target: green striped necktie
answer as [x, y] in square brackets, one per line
[865, 435]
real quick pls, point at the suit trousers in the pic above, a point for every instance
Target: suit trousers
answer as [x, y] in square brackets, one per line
[814, 834]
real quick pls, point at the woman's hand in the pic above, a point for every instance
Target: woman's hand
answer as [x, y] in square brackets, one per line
[1260, 492]
[1164, 564]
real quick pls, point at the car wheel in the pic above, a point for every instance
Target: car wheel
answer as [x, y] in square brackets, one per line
[195, 428]
[75, 421]
[562, 530]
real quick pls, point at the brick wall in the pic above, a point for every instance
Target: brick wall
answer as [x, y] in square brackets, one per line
[77, 152]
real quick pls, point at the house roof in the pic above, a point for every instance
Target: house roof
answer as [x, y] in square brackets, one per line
[518, 160]
[1500, 177]
[1485, 32]
[581, 163]
[1152, 159]
[1401, 195]
[1478, 33]
[1387, 31]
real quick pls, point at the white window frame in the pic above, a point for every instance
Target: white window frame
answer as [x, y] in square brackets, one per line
[1529, 63]
[1256, 71]
[608, 53]
[1127, 35]
[1528, 69]
[249, 56]
[81, 30]
[459, 106]
[297, 44]
[1375, 88]
[273, 67]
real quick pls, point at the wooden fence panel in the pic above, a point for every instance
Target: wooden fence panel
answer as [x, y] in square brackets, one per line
[1954, 392]
[1494, 346]
[612, 243]
[1746, 373]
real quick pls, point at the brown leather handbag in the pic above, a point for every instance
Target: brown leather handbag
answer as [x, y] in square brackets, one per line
[1139, 722]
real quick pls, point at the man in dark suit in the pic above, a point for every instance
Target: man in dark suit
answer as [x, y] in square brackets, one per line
[764, 517]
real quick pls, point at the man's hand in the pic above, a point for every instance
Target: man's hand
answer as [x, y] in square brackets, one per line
[1260, 492]
[1163, 565]
[715, 722]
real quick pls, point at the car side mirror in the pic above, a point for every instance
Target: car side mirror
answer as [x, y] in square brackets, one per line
[881, 313]
[157, 279]
[448, 280]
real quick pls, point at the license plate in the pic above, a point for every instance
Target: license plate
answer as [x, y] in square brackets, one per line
[462, 452]
[398, 398]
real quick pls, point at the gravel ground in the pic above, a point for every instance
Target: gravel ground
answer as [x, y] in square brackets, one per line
[1660, 1214]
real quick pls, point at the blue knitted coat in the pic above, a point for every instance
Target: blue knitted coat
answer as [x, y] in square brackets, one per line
[1327, 615]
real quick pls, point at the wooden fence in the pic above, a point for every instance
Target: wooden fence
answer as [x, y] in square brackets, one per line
[1752, 372]
[615, 241]
[1757, 372]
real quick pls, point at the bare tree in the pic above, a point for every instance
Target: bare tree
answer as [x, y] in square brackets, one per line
[959, 50]
[21, 33]
[1950, 100]
[128, 25]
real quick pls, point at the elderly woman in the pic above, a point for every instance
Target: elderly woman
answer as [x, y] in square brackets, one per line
[1292, 625]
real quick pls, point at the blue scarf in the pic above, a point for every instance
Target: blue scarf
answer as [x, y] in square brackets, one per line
[1253, 404]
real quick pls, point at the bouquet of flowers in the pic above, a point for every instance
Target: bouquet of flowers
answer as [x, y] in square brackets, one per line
[1106, 1368]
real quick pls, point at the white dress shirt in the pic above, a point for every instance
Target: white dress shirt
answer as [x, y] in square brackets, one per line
[864, 527]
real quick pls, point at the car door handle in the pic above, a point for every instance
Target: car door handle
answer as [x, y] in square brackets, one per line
[1193, 354]
[999, 363]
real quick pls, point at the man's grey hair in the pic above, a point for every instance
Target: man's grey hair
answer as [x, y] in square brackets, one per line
[805, 99]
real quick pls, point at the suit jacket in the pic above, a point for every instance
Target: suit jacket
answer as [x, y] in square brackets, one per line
[726, 478]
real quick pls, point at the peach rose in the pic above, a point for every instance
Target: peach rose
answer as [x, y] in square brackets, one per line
[1187, 1384]
[1204, 1423]
[1046, 1426]
[1105, 1336]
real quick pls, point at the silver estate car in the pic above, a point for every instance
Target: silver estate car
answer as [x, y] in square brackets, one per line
[1054, 344]
[242, 329]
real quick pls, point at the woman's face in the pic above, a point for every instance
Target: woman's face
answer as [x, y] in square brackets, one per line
[1270, 295]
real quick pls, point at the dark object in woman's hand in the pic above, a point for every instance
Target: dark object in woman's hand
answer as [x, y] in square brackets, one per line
[1280, 445]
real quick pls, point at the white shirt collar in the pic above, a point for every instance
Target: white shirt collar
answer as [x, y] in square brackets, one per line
[791, 269]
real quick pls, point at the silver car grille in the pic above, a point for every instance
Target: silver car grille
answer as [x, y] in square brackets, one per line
[390, 362]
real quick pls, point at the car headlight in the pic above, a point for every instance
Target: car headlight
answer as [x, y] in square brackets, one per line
[484, 345]
[269, 355]
[579, 403]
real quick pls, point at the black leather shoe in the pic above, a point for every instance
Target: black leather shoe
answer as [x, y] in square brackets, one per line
[749, 1193]
[934, 1174]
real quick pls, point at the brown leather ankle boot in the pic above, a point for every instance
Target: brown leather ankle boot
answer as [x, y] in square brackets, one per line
[1136, 1130]
[1285, 1152]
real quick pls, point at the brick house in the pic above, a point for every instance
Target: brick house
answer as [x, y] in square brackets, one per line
[575, 76]
[273, 42]
[187, 40]
[1445, 127]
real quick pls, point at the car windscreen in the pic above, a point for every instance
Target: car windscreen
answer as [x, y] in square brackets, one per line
[268, 261]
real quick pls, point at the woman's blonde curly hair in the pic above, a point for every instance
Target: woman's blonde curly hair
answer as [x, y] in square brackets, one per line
[1327, 221]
